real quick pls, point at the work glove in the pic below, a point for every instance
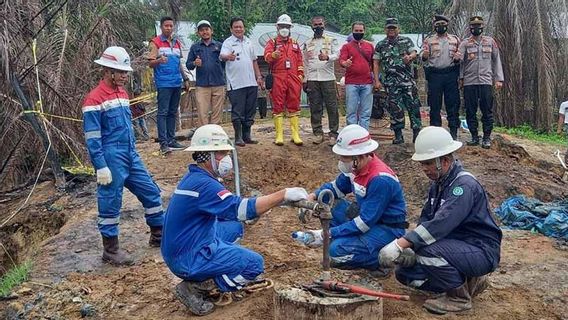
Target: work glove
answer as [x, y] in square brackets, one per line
[389, 254]
[317, 238]
[295, 194]
[104, 176]
[406, 259]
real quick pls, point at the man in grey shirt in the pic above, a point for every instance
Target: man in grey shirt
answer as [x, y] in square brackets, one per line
[480, 70]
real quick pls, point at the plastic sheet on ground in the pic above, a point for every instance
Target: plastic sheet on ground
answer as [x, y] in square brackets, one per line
[548, 218]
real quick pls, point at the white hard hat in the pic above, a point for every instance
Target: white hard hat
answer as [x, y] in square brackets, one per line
[432, 143]
[284, 19]
[115, 58]
[354, 140]
[210, 137]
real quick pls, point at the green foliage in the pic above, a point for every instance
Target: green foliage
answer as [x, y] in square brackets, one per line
[14, 277]
[527, 132]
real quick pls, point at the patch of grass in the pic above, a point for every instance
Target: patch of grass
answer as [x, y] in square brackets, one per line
[527, 132]
[14, 277]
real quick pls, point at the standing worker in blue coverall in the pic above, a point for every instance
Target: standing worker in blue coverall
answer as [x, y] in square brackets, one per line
[107, 123]
[457, 242]
[357, 234]
[198, 247]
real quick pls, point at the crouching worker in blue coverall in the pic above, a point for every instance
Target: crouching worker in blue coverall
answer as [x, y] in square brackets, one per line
[197, 246]
[457, 242]
[107, 124]
[360, 229]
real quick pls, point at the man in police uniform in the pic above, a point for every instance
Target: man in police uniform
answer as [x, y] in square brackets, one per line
[393, 58]
[480, 70]
[457, 242]
[441, 66]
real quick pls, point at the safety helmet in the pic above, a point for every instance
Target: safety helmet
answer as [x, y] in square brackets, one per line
[432, 143]
[354, 140]
[284, 19]
[115, 58]
[210, 137]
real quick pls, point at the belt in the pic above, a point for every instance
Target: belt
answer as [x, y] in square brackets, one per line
[444, 70]
[396, 225]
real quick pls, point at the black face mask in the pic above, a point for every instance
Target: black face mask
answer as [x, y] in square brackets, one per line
[318, 31]
[441, 29]
[476, 31]
[358, 36]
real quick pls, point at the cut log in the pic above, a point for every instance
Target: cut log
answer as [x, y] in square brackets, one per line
[296, 304]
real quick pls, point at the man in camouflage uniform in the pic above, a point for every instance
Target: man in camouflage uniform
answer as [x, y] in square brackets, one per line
[393, 57]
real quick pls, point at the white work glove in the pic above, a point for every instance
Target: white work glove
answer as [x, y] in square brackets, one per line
[104, 176]
[295, 194]
[389, 254]
[318, 238]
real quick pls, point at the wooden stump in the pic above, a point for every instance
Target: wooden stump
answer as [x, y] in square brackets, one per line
[297, 304]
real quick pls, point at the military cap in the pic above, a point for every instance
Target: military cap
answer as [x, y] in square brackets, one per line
[476, 20]
[391, 22]
[440, 18]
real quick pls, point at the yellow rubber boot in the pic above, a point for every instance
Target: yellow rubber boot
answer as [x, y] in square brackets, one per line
[295, 127]
[278, 127]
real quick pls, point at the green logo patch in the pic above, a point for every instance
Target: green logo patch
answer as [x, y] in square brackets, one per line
[458, 191]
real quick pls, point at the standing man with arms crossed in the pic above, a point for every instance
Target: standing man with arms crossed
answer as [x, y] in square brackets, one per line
[210, 84]
[165, 58]
[320, 53]
[243, 80]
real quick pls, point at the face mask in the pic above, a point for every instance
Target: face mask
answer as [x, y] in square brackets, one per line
[318, 31]
[284, 32]
[224, 167]
[441, 29]
[476, 31]
[345, 167]
[358, 36]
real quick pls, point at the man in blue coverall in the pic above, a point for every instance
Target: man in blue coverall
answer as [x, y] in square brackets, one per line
[457, 242]
[357, 234]
[197, 245]
[107, 124]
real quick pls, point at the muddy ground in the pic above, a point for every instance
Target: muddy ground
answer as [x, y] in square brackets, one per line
[58, 233]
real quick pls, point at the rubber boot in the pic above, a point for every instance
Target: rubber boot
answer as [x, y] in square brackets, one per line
[278, 127]
[247, 135]
[192, 295]
[477, 285]
[112, 253]
[455, 300]
[474, 139]
[155, 236]
[295, 127]
[398, 138]
[486, 142]
[237, 126]
[415, 134]
[454, 133]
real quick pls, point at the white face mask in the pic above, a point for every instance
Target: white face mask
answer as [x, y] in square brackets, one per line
[224, 167]
[284, 32]
[345, 167]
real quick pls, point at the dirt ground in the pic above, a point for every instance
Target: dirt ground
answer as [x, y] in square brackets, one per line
[58, 233]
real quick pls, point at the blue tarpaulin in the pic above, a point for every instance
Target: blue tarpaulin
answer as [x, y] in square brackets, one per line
[548, 218]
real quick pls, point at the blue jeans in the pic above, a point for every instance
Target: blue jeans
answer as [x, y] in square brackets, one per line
[359, 100]
[168, 103]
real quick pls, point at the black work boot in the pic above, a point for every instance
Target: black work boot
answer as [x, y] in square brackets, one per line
[155, 236]
[454, 133]
[112, 253]
[398, 138]
[474, 140]
[247, 135]
[455, 300]
[486, 142]
[192, 295]
[237, 126]
[415, 134]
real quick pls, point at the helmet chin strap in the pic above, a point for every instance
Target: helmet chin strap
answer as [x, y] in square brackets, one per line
[355, 162]
[214, 163]
[438, 168]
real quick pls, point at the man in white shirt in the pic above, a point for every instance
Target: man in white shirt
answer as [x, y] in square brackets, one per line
[320, 53]
[243, 79]
[563, 123]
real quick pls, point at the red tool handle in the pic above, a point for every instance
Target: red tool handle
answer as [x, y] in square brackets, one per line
[333, 286]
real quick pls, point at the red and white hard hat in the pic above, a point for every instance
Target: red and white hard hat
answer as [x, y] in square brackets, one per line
[354, 140]
[284, 19]
[115, 58]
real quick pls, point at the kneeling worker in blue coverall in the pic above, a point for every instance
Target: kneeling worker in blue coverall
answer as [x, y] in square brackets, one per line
[198, 239]
[107, 124]
[360, 229]
[457, 242]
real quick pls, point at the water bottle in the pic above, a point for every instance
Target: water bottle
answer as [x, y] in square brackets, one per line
[303, 237]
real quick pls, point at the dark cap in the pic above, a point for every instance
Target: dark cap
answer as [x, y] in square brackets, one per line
[391, 22]
[440, 18]
[476, 20]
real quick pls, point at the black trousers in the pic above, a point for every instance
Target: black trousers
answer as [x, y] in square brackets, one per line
[444, 85]
[482, 96]
[243, 105]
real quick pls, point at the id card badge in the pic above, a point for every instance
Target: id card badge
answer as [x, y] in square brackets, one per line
[288, 64]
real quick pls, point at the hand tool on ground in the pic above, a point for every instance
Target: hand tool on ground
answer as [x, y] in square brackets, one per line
[348, 288]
